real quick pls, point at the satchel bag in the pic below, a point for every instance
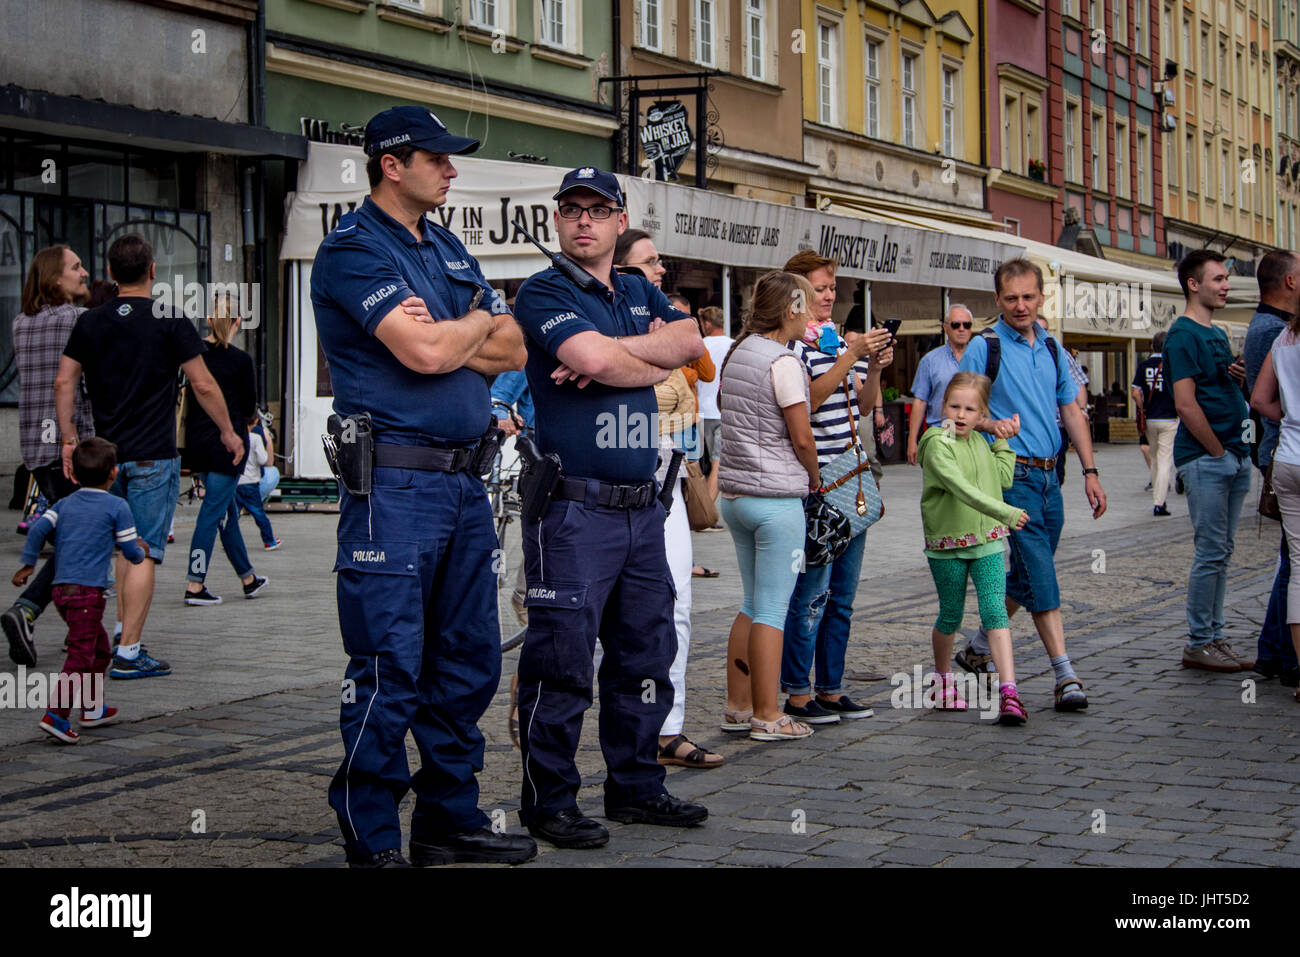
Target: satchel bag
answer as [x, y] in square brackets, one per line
[849, 491]
[701, 512]
[1268, 506]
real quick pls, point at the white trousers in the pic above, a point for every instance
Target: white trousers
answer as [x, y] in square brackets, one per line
[1160, 433]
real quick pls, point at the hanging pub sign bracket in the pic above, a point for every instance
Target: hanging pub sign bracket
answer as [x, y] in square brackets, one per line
[659, 142]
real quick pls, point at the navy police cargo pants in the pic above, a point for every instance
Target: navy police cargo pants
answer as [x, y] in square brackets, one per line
[594, 571]
[418, 614]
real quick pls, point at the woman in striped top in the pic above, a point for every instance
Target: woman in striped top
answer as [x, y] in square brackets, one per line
[817, 622]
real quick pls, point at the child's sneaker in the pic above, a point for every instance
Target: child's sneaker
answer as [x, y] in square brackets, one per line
[202, 597]
[60, 728]
[273, 546]
[1011, 710]
[255, 586]
[144, 665]
[105, 716]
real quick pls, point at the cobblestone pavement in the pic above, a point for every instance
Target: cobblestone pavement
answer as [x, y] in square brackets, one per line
[1166, 767]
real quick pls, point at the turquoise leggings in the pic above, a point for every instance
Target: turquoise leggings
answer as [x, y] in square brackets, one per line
[989, 575]
[769, 538]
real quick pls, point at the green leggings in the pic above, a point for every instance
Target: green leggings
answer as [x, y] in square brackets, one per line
[989, 575]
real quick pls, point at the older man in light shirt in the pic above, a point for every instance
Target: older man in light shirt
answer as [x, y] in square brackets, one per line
[933, 374]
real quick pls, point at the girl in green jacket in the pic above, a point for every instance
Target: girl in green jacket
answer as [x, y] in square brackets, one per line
[965, 521]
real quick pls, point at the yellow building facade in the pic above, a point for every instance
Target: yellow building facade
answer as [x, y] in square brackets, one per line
[891, 101]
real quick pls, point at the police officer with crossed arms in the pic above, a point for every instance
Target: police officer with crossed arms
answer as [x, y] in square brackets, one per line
[411, 328]
[594, 559]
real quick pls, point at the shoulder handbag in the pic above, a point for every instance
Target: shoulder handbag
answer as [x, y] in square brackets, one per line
[1268, 506]
[701, 512]
[849, 489]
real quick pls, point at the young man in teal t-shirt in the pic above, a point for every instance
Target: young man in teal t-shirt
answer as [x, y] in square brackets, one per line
[1210, 452]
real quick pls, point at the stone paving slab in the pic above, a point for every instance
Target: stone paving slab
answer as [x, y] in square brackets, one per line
[227, 761]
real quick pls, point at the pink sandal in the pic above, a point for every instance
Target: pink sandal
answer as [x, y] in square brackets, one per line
[949, 700]
[1012, 711]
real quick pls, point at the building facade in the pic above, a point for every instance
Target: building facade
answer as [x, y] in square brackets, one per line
[1220, 182]
[1286, 119]
[173, 146]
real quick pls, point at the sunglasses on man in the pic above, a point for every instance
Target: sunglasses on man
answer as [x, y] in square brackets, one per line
[961, 325]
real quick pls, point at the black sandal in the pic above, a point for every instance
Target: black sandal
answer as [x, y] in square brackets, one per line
[698, 758]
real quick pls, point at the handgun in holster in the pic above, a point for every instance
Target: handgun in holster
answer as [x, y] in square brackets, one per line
[538, 479]
[350, 450]
[485, 453]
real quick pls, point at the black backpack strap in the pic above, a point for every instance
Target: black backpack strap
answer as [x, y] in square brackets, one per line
[993, 361]
[1052, 348]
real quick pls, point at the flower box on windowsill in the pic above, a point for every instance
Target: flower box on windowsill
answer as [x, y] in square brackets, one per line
[1038, 175]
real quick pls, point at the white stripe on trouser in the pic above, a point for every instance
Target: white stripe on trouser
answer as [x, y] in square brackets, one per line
[347, 776]
[528, 759]
[677, 544]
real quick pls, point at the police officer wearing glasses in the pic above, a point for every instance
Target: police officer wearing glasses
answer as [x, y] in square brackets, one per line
[594, 557]
[411, 330]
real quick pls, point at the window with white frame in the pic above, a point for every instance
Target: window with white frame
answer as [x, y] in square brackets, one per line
[873, 55]
[1118, 8]
[1141, 38]
[408, 4]
[1098, 151]
[1142, 161]
[1226, 180]
[1073, 136]
[554, 23]
[1011, 133]
[1207, 169]
[1223, 78]
[1067, 8]
[909, 98]
[1241, 72]
[1094, 14]
[828, 59]
[1171, 161]
[1187, 43]
[949, 111]
[486, 14]
[1259, 193]
[1245, 187]
[1122, 148]
[755, 39]
[1033, 141]
[650, 20]
[1167, 31]
[706, 21]
[1192, 180]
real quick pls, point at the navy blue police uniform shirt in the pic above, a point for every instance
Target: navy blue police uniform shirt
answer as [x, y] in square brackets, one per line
[601, 431]
[363, 270]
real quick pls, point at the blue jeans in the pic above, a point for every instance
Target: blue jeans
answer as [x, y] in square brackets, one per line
[1031, 582]
[1215, 490]
[817, 624]
[151, 489]
[1275, 637]
[253, 498]
[218, 512]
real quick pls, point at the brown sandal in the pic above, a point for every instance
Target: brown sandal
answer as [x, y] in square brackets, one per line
[697, 758]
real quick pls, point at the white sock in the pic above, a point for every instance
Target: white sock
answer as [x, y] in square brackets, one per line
[117, 630]
[129, 652]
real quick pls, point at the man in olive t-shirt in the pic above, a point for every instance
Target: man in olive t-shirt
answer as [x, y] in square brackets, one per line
[1210, 452]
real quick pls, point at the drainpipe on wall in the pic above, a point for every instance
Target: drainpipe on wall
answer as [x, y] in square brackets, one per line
[616, 69]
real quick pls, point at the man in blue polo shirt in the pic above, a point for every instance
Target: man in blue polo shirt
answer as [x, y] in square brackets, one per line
[1030, 384]
[411, 328]
[595, 561]
[933, 374]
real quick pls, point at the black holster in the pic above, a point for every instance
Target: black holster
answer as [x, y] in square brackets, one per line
[538, 480]
[350, 451]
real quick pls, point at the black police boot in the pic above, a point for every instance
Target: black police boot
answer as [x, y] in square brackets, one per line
[662, 809]
[389, 858]
[570, 828]
[473, 847]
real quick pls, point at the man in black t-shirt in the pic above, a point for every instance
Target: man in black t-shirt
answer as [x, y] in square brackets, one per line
[129, 352]
[1158, 418]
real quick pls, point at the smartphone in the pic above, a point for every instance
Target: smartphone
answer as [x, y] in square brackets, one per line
[893, 325]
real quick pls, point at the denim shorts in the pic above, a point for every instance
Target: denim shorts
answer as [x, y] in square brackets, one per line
[151, 488]
[1031, 582]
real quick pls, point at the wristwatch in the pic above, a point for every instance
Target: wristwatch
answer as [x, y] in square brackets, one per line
[1087, 472]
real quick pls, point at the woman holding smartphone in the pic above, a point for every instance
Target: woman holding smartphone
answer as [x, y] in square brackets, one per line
[767, 467]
